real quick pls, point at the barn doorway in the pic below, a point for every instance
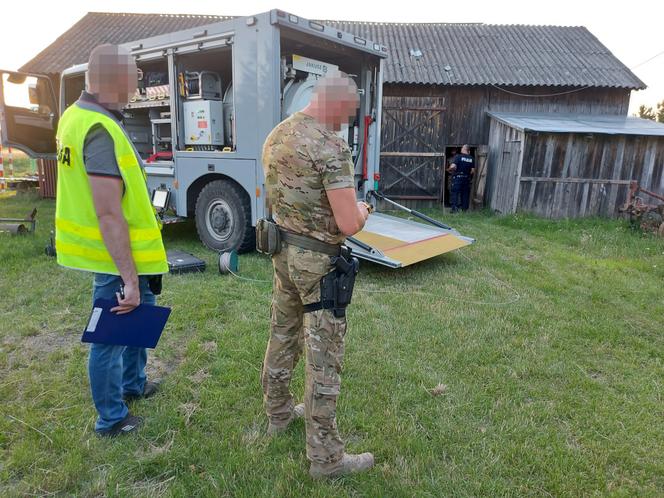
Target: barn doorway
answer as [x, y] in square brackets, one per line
[450, 152]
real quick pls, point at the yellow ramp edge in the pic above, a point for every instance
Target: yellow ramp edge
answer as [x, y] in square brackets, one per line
[412, 252]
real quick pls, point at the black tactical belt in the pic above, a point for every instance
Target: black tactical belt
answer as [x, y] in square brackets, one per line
[309, 243]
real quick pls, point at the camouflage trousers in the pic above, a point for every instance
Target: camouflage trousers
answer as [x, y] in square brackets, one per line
[297, 275]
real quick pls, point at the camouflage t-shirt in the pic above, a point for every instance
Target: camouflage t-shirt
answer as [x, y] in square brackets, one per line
[302, 160]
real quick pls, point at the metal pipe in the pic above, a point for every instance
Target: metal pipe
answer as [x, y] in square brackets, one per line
[360, 244]
[417, 214]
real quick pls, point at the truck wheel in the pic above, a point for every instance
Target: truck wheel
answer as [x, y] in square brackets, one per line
[223, 217]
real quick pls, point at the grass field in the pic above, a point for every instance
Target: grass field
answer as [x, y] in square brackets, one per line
[543, 338]
[22, 164]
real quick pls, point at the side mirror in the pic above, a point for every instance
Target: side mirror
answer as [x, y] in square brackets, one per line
[17, 78]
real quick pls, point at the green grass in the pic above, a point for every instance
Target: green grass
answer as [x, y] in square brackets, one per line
[547, 336]
[22, 164]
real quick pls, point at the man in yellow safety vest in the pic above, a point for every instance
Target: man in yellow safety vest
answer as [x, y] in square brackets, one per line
[105, 224]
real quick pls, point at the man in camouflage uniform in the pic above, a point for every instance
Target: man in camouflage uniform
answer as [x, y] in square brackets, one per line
[310, 187]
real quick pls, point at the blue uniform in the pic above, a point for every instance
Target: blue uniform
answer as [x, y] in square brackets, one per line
[461, 180]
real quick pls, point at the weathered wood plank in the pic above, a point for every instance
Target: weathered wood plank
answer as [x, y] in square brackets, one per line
[617, 170]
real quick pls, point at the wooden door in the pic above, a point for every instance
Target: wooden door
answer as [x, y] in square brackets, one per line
[412, 158]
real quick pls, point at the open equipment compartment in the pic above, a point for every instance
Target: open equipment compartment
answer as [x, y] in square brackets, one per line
[204, 91]
[147, 118]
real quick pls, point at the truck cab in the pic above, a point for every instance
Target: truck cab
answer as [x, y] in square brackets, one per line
[207, 99]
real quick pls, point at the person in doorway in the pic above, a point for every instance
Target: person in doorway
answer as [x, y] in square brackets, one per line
[462, 170]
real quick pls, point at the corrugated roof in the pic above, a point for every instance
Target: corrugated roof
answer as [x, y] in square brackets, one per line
[75, 44]
[484, 54]
[451, 54]
[580, 123]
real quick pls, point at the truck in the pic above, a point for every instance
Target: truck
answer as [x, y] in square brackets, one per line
[207, 99]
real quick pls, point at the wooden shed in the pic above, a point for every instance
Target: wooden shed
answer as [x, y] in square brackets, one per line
[570, 165]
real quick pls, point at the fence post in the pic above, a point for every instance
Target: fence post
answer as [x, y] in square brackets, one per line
[10, 162]
[2, 171]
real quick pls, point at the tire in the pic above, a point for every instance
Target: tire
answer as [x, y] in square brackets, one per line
[223, 217]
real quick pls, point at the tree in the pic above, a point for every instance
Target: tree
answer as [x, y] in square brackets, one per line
[646, 113]
[652, 114]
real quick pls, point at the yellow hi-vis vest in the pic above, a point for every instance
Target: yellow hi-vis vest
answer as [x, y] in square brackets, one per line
[78, 240]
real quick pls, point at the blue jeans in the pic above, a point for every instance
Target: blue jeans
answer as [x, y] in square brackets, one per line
[115, 370]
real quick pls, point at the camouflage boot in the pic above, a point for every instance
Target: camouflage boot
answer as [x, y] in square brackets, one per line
[347, 465]
[273, 429]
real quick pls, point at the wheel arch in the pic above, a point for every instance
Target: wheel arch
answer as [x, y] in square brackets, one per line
[199, 184]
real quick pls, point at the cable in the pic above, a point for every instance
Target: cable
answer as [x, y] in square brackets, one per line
[569, 91]
[253, 280]
[647, 60]
[417, 290]
[542, 95]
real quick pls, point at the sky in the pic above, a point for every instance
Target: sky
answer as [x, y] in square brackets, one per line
[631, 30]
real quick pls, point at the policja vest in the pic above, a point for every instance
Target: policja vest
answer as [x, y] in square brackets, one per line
[78, 240]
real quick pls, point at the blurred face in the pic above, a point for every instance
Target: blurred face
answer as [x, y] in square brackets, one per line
[112, 76]
[337, 100]
[465, 150]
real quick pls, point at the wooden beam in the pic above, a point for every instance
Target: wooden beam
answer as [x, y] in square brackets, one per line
[574, 180]
[414, 108]
[412, 154]
[415, 197]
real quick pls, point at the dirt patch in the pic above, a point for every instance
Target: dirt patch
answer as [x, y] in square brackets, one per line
[438, 390]
[22, 350]
[45, 343]
[158, 368]
[209, 347]
[200, 376]
[187, 410]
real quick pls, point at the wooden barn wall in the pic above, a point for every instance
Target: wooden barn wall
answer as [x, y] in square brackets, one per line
[504, 160]
[465, 119]
[572, 175]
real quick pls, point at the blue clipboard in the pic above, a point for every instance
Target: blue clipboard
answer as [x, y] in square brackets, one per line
[140, 328]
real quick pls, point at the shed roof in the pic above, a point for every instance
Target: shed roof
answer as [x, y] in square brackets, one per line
[418, 53]
[580, 123]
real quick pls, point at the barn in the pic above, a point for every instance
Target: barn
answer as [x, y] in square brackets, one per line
[442, 82]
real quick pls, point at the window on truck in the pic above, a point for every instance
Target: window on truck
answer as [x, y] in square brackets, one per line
[28, 113]
[73, 86]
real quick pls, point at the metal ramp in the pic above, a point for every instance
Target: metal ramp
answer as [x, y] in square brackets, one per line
[398, 242]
